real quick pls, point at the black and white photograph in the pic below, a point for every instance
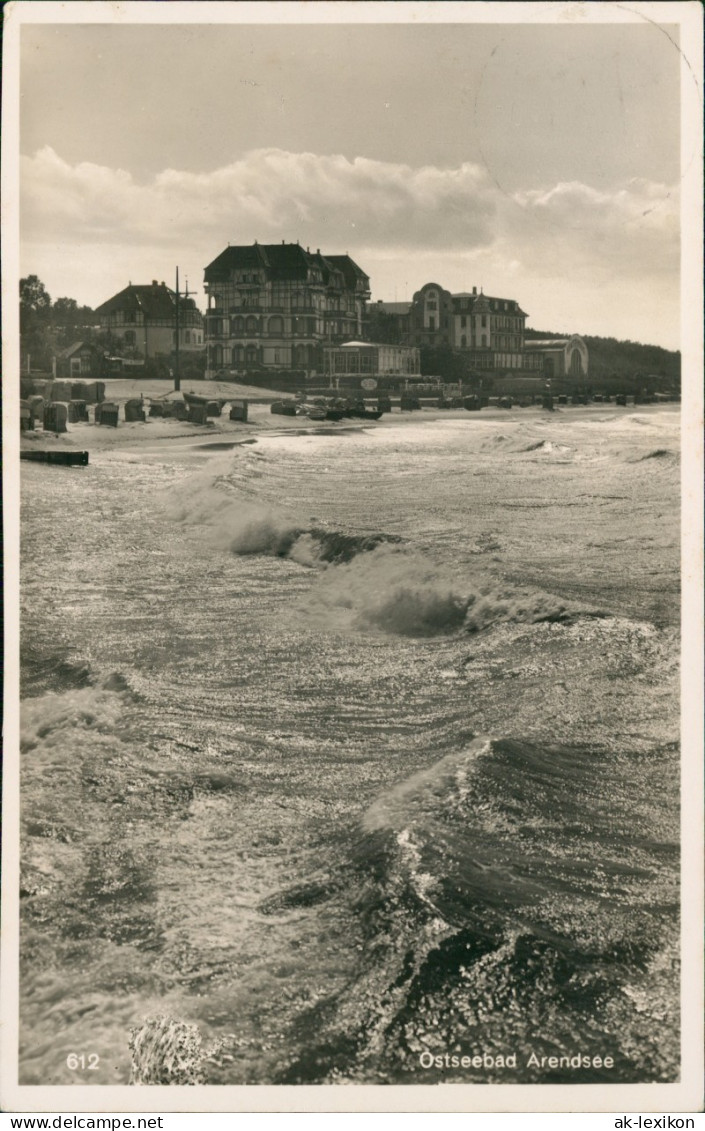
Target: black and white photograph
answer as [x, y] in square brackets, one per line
[353, 556]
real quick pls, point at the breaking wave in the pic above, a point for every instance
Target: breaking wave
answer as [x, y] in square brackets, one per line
[378, 582]
[397, 590]
[248, 527]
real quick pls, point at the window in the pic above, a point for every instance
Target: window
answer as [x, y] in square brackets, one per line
[130, 338]
[463, 320]
[187, 337]
[463, 341]
[484, 320]
[432, 323]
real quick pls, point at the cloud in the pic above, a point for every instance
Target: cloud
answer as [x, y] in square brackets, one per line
[454, 225]
[629, 231]
[332, 201]
[265, 193]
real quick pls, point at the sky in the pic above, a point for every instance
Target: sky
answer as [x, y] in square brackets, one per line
[541, 163]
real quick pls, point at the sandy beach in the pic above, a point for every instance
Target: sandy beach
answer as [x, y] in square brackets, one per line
[155, 432]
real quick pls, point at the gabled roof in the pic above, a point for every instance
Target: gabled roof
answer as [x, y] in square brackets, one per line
[351, 272]
[69, 351]
[513, 305]
[281, 261]
[154, 301]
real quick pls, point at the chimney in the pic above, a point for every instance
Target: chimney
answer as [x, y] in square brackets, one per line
[474, 290]
[154, 282]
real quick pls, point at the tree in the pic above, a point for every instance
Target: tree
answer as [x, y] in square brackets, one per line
[35, 321]
[382, 327]
[71, 322]
[452, 365]
[33, 293]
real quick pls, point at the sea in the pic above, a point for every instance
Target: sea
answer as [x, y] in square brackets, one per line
[351, 755]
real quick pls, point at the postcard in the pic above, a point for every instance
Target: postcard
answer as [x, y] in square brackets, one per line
[353, 496]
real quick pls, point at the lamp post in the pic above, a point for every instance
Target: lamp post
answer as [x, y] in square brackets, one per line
[177, 378]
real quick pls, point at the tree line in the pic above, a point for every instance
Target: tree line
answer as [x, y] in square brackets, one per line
[47, 327]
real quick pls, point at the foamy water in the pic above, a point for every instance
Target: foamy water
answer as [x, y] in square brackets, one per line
[344, 747]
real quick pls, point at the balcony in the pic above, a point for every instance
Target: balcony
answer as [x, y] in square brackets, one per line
[256, 336]
[244, 311]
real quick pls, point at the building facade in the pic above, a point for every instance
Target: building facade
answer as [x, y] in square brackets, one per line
[561, 357]
[276, 306]
[372, 359]
[143, 319]
[489, 330]
[81, 359]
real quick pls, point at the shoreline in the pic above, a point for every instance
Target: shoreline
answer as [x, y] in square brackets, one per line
[262, 422]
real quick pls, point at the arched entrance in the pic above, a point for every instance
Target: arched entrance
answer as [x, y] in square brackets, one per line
[576, 363]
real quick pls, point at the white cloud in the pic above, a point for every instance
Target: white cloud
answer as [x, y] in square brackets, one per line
[633, 229]
[448, 222]
[264, 194]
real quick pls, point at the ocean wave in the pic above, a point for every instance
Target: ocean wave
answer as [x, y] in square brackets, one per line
[661, 454]
[232, 524]
[509, 895]
[245, 527]
[397, 590]
[56, 719]
[547, 447]
[50, 669]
